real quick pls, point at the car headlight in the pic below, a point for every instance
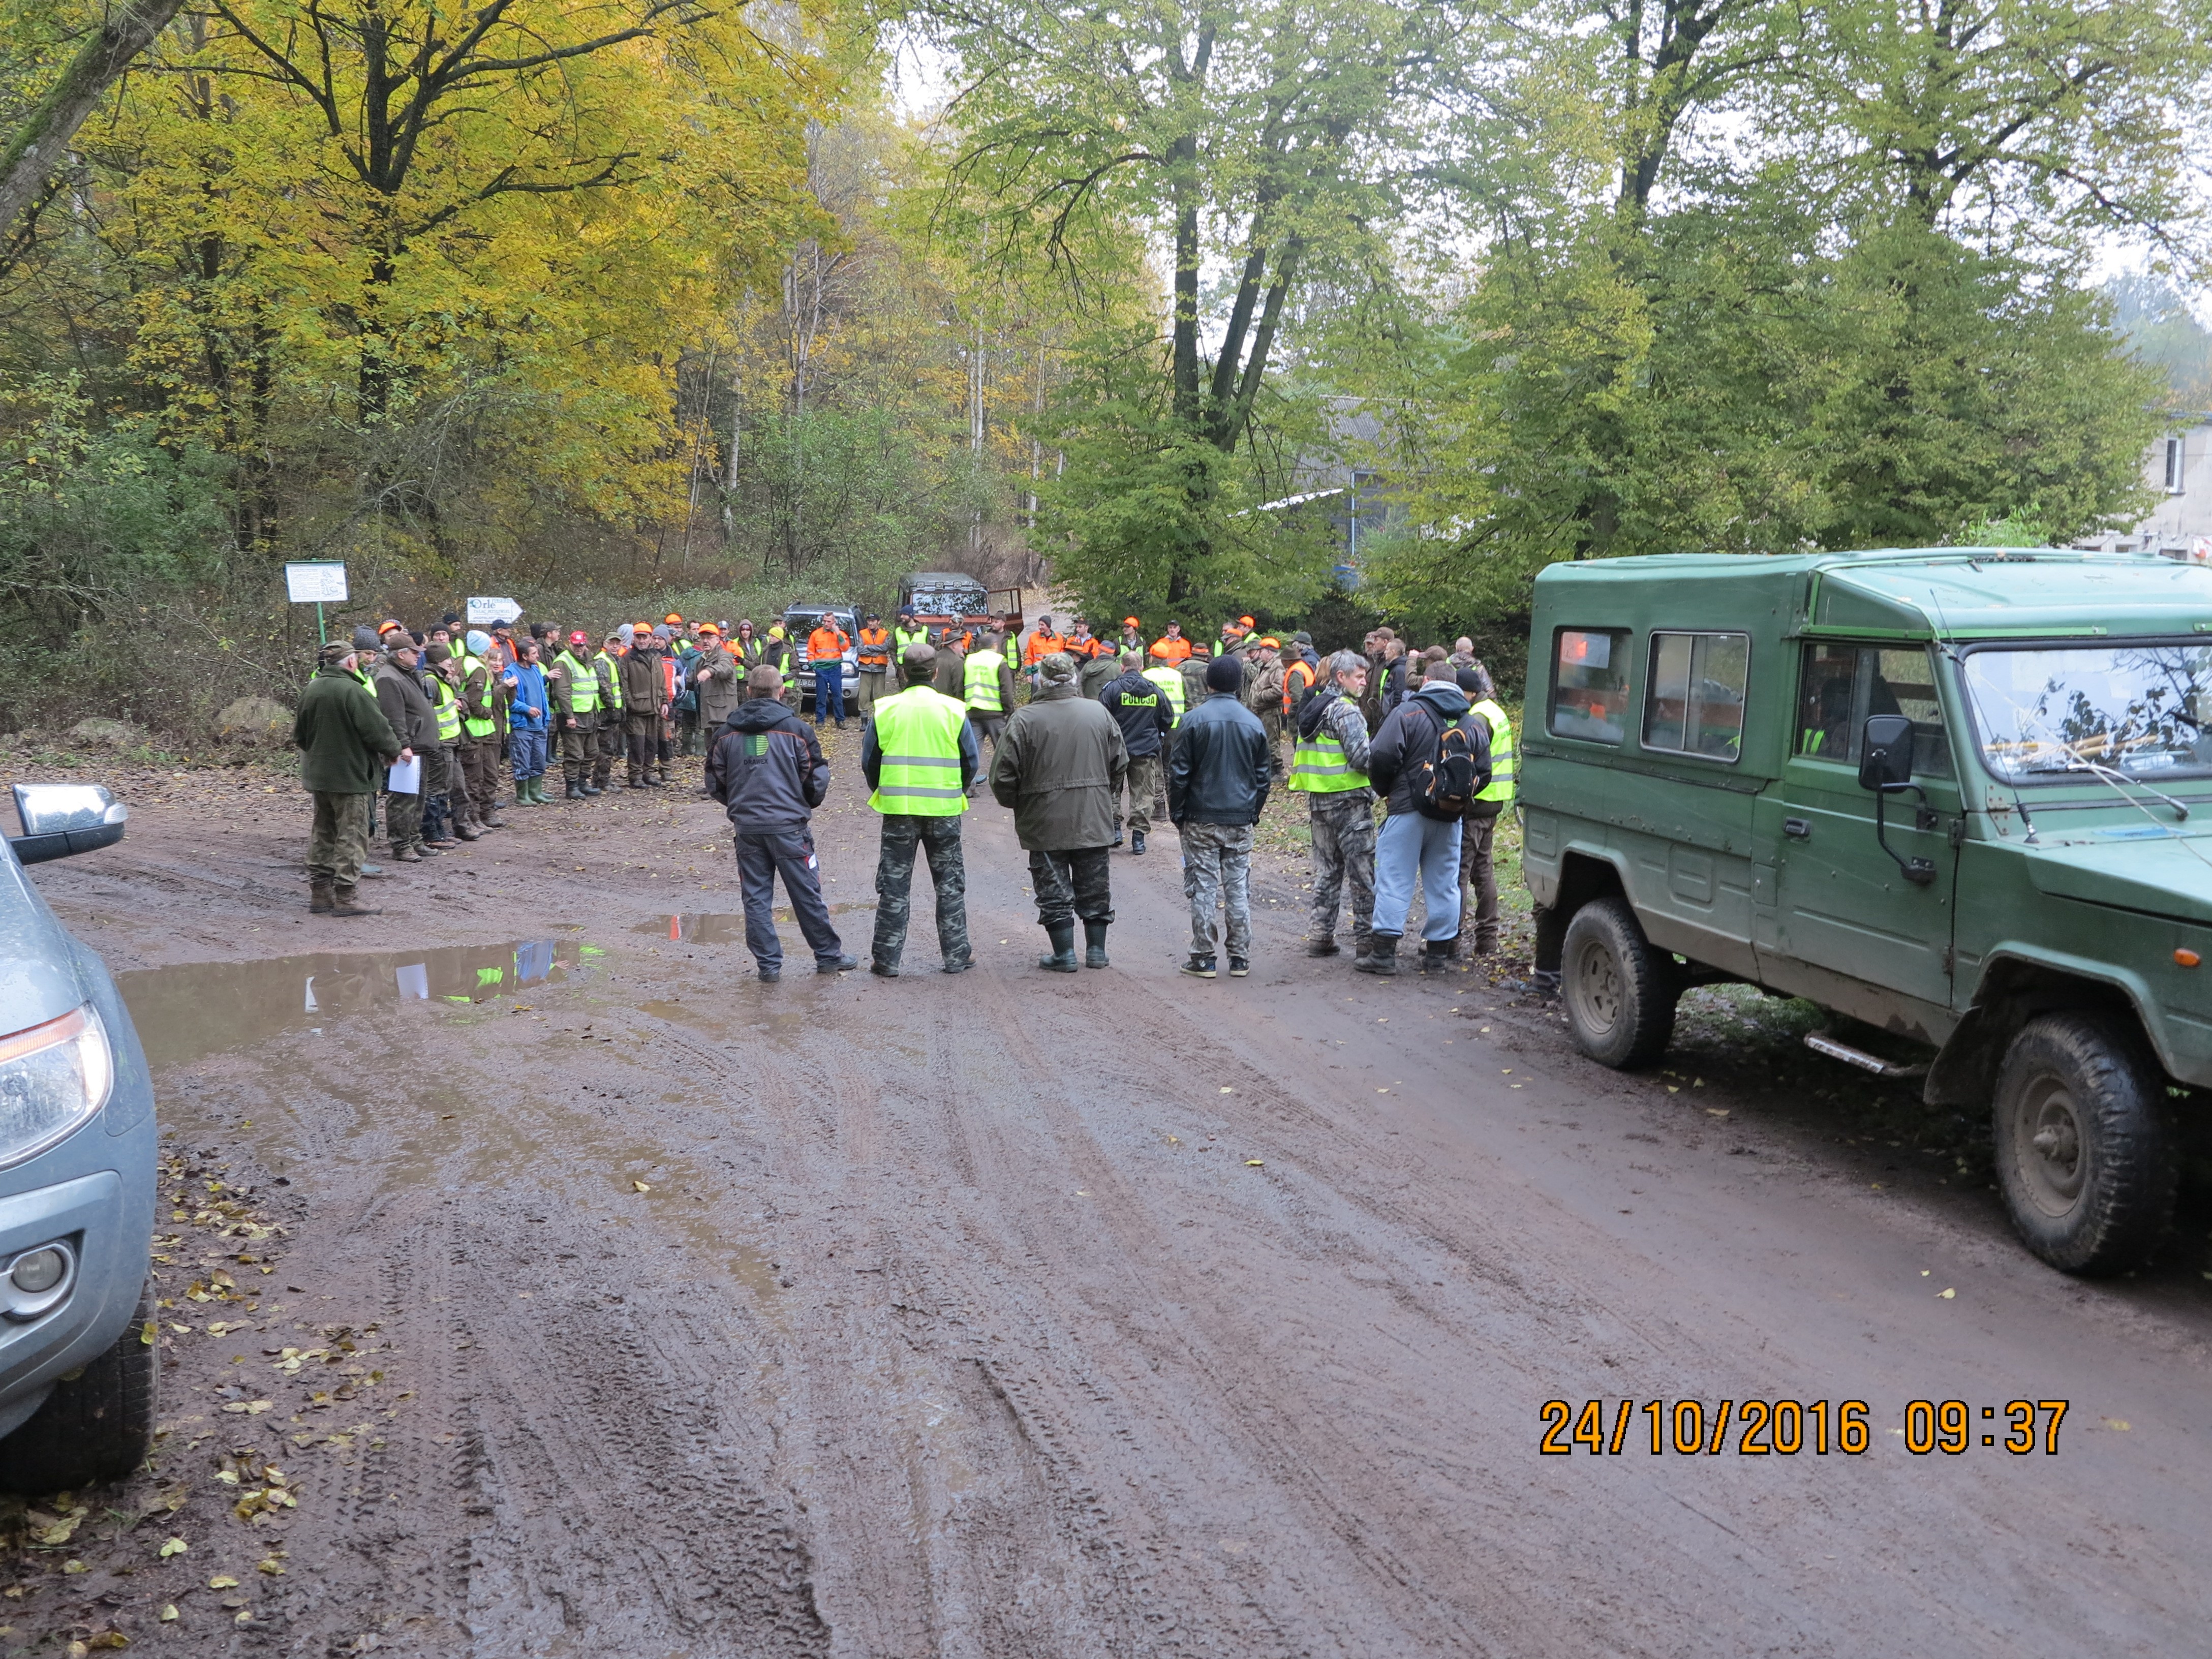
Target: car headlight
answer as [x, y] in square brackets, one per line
[53, 1077]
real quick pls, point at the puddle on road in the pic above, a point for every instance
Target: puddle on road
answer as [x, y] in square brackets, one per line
[188, 1012]
[721, 928]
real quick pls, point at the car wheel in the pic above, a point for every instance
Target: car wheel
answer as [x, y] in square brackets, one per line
[1619, 991]
[2080, 1146]
[95, 1426]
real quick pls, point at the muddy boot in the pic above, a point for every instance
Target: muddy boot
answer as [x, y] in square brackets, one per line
[575, 791]
[1437, 955]
[633, 781]
[319, 895]
[1094, 945]
[1325, 945]
[1136, 842]
[467, 832]
[885, 966]
[345, 902]
[1382, 956]
[1062, 959]
[406, 855]
[589, 790]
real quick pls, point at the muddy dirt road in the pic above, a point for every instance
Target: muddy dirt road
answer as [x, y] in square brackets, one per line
[539, 1284]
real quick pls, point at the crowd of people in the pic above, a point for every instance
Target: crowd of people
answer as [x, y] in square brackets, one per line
[1111, 736]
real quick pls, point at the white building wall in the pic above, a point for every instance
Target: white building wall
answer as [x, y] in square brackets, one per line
[2180, 465]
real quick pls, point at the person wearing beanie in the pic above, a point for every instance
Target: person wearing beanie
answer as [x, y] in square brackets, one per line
[483, 728]
[920, 756]
[342, 735]
[1218, 779]
[1059, 767]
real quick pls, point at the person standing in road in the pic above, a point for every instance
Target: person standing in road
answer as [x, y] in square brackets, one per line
[1170, 682]
[399, 693]
[1060, 767]
[449, 796]
[529, 724]
[907, 632]
[1133, 637]
[986, 686]
[483, 723]
[952, 675]
[1141, 709]
[920, 756]
[1478, 929]
[573, 681]
[1328, 767]
[825, 655]
[342, 734]
[766, 770]
[718, 681]
[645, 705]
[873, 654]
[607, 742]
[1043, 642]
[1193, 669]
[1218, 781]
[1263, 693]
[1420, 839]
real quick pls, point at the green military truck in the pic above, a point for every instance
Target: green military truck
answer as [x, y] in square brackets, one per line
[1962, 795]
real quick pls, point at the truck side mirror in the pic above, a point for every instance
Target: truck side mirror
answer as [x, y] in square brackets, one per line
[1886, 756]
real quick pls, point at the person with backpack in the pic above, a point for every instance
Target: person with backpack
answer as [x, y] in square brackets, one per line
[1429, 760]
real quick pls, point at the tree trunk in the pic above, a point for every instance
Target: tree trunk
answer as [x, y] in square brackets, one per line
[38, 144]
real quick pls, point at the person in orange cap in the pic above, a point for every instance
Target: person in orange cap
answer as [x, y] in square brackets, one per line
[1132, 636]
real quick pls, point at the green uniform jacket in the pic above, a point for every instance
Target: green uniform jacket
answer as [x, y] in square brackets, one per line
[1060, 767]
[344, 735]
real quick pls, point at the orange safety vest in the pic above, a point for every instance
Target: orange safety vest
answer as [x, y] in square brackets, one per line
[875, 647]
[1041, 646]
[824, 643]
[1173, 652]
[1299, 677]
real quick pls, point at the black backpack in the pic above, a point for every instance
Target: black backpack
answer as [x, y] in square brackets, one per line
[1448, 781]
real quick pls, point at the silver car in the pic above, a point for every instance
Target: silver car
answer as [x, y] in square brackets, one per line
[77, 1359]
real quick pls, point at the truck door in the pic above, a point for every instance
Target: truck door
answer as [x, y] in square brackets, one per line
[1844, 906]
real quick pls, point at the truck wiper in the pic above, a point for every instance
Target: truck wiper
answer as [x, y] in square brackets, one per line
[2116, 778]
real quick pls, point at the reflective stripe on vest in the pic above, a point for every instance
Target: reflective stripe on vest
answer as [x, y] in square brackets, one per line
[903, 637]
[610, 682]
[1501, 754]
[1170, 680]
[477, 726]
[1318, 765]
[980, 683]
[583, 684]
[448, 708]
[919, 732]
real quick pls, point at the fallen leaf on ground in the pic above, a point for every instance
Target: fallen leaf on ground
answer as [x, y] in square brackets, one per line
[1947, 1295]
[174, 1547]
[639, 1186]
[223, 1581]
[1253, 1163]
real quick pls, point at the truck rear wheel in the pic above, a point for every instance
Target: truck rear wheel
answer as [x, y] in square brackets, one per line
[2081, 1151]
[95, 1426]
[1619, 991]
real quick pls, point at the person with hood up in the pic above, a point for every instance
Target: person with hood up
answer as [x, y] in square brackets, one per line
[766, 770]
[1058, 768]
[1420, 839]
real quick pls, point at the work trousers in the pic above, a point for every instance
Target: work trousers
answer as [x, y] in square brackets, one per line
[870, 688]
[525, 753]
[1475, 832]
[1414, 848]
[578, 744]
[480, 763]
[1343, 857]
[337, 842]
[789, 853]
[1216, 874]
[940, 839]
[687, 732]
[606, 748]
[1071, 882]
[989, 728]
[1143, 783]
[639, 737]
[829, 695]
[437, 793]
[1271, 721]
[403, 818]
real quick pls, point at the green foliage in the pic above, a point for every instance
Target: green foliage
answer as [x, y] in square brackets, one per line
[2162, 333]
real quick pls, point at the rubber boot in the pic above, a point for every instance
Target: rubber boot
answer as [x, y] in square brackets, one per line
[575, 791]
[1062, 959]
[1324, 946]
[1094, 945]
[1437, 955]
[588, 789]
[320, 895]
[344, 902]
[1382, 956]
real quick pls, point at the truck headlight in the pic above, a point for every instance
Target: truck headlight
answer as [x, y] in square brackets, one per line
[53, 1077]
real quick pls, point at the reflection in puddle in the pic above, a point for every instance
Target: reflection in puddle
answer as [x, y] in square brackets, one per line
[196, 1009]
[710, 928]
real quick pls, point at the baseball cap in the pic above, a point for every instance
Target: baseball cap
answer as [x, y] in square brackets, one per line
[579, 637]
[1270, 642]
[672, 620]
[708, 627]
[1131, 622]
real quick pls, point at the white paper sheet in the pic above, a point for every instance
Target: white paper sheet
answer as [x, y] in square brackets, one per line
[405, 777]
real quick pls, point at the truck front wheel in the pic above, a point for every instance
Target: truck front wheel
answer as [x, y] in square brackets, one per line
[2081, 1151]
[1619, 991]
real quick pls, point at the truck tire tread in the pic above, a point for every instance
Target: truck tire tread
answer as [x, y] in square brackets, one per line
[1647, 987]
[94, 1428]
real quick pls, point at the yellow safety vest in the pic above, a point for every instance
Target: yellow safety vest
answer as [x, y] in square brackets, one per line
[478, 726]
[583, 684]
[918, 730]
[449, 709]
[980, 682]
[1318, 765]
[1502, 771]
[1170, 680]
[610, 682]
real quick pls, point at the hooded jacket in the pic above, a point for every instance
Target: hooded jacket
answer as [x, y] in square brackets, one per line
[1330, 708]
[1142, 711]
[1220, 768]
[1408, 741]
[766, 770]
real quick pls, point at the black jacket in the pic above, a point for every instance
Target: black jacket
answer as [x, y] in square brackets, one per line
[766, 768]
[1141, 709]
[1408, 741]
[1221, 766]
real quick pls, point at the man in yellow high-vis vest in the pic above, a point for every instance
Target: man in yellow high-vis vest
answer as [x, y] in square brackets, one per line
[986, 680]
[918, 754]
[1328, 767]
[1483, 812]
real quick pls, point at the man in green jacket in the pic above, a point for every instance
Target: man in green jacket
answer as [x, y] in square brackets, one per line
[345, 737]
[1060, 766]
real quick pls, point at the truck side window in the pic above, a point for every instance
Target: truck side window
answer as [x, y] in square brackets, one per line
[1693, 700]
[1590, 684]
[1842, 685]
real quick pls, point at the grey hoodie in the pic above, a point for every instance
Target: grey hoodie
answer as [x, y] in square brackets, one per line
[1408, 740]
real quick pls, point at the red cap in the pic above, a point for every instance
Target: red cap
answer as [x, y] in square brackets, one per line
[579, 637]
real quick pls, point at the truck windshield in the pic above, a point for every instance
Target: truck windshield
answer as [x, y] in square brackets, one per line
[2138, 709]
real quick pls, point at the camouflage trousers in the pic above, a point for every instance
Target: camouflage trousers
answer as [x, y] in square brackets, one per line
[1071, 883]
[1217, 873]
[1343, 856]
[940, 839]
[337, 843]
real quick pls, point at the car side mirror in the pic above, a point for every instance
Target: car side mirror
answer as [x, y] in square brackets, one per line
[63, 818]
[1886, 756]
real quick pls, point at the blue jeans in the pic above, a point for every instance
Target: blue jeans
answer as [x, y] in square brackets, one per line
[526, 750]
[1412, 846]
[829, 692]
